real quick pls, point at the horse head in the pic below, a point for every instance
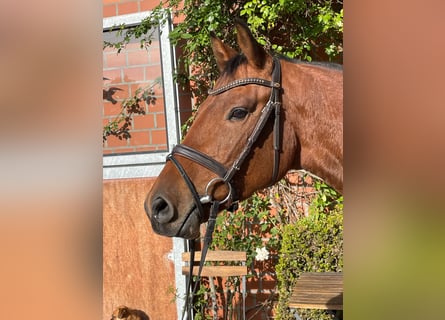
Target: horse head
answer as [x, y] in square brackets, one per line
[234, 146]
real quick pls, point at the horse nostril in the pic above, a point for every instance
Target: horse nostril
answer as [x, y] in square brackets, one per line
[162, 211]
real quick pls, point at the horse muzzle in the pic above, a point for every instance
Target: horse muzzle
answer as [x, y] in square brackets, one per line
[165, 220]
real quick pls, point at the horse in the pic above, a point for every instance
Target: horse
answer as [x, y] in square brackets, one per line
[265, 116]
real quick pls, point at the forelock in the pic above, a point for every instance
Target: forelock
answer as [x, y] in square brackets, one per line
[234, 63]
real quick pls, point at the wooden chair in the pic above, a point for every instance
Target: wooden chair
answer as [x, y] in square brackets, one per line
[220, 269]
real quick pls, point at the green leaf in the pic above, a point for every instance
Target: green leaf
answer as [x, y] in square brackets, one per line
[186, 36]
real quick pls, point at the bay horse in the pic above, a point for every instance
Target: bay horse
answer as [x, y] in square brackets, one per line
[265, 116]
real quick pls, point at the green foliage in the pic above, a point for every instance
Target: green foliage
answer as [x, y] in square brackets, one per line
[298, 29]
[120, 126]
[326, 200]
[250, 228]
[144, 32]
[193, 35]
[301, 29]
[201, 304]
[246, 228]
[313, 243]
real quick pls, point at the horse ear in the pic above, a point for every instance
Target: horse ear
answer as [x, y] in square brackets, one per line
[222, 52]
[254, 52]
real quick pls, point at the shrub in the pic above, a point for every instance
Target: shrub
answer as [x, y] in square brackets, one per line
[313, 243]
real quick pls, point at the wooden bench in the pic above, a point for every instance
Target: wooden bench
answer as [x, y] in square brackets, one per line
[318, 290]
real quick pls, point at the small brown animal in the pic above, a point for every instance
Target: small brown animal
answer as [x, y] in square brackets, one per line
[123, 312]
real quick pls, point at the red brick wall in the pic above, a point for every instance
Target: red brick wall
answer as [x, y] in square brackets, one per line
[129, 70]
[136, 68]
[120, 7]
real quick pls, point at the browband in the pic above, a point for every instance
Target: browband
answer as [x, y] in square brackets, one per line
[243, 82]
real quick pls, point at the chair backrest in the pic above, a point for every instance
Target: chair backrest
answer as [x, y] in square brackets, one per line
[219, 269]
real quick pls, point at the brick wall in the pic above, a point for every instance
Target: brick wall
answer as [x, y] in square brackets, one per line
[129, 70]
[119, 7]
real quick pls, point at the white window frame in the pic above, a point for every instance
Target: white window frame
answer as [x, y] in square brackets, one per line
[150, 164]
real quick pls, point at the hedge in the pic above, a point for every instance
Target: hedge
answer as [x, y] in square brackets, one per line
[312, 244]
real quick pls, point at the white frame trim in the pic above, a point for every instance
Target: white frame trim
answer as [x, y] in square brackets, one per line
[127, 19]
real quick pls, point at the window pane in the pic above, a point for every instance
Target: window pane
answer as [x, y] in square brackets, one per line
[134, 71]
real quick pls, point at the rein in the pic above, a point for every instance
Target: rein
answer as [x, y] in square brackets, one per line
[225, 175]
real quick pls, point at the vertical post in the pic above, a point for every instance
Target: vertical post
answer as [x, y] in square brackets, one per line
[170, 88]
[174, 137]
[179, 246]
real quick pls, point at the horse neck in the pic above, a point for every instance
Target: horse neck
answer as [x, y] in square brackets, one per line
[313, 106]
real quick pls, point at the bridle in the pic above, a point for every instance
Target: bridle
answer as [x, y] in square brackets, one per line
[225, 175]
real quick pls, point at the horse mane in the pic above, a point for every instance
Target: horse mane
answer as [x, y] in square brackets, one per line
[328, 65]
[234, 63]
[241, 59]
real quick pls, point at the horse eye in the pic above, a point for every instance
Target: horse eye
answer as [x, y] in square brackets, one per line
[238, 114]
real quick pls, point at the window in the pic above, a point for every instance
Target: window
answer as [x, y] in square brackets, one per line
[154, 133]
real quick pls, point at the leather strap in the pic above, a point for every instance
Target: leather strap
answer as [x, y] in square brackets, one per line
[243, 82]
[207, 241]
[189, 184]
[201, 158]
[274, 103]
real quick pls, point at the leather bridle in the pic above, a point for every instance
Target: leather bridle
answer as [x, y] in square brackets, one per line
[225, 175]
